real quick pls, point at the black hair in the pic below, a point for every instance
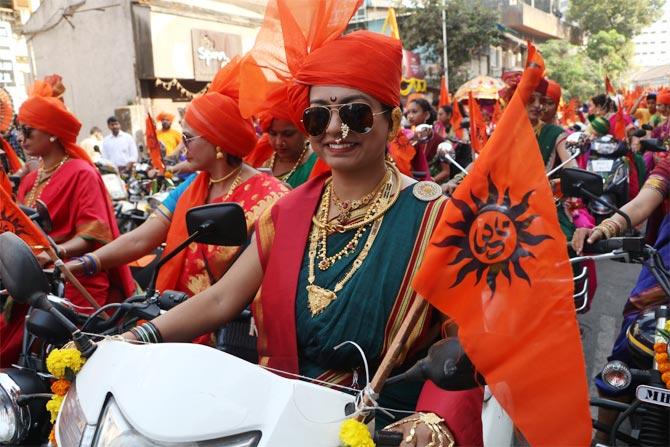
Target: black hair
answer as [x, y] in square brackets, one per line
[651, 96]
[426, 107]
[605, 102]
[447, 109]
[233, 160]
[112, 119]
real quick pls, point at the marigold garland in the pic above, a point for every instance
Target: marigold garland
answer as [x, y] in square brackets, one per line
[64, 364]
[661, 354]
[355, 434]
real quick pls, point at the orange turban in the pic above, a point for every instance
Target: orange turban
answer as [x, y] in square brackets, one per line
[554, 90]
[301, 43]
[165, 116]
[216, 114]
[663, 98]
[49, 115]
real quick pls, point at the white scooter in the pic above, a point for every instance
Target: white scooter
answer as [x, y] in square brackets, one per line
[190, 395]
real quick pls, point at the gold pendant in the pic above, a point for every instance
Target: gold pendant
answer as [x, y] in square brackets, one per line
[319, 298]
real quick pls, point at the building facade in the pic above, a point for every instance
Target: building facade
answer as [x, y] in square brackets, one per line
[652, 45]
[129, 57]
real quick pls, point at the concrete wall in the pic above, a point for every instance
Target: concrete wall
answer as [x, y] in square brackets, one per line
[95, 56]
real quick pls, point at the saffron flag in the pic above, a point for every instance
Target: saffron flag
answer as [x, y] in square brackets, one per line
[444, 93]
[5, 183]
[478, 136]
[457, 120]
[13, 159]
[14, 220]
[497, 113]
[498, 266]
[570, 113]
[153, 146]
[608, 87]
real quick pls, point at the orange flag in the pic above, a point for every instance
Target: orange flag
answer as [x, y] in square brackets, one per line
[14, 220]
[153, 146]
[478, 136]
[444, 93]
[619, 131]
[5, 183]
[608, 86]
[498, 266]
[497, 113]
[456, 121]
[570, 113]
[13, 159]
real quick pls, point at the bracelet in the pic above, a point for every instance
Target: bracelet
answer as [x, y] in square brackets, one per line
[458, 178]
[147, 333]
[440, 436]
[91, 263]
[656, 183]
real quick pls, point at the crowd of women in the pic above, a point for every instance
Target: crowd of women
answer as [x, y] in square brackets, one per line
[329, 192]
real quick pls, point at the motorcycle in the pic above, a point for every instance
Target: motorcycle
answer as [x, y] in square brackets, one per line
[648, 412]
[152, 395]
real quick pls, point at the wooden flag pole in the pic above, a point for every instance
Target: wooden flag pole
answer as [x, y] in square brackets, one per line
[395, 349]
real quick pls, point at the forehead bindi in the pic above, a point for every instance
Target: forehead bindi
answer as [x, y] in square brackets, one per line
[327, 95]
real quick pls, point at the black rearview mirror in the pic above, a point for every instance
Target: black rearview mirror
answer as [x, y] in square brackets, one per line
[218, 224]
[20, 272]
[652, 145]
[574, 181]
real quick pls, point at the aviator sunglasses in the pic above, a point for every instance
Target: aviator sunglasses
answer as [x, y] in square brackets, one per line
[358, 116]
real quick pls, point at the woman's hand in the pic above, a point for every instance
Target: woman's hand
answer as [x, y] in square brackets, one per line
[423, 429]
[44, 259]
[590, 235]
[76, 267]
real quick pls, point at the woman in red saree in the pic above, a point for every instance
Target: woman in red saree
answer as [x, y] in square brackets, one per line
[216, 138]
[78, 205]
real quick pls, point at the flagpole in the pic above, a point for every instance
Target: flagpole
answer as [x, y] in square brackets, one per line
[444, 41]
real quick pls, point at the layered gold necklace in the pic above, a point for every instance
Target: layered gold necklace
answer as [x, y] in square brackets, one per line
[383, 197]
[43, 176]
[233, 185]
[286, 176]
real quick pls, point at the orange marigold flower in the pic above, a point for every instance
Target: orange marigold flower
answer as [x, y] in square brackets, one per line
[662, 358]
[666, 377]
[52, 437]
[60, 387]
[660, 348]
[664, 367]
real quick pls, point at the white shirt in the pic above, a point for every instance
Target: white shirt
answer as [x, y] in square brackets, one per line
[120, 149]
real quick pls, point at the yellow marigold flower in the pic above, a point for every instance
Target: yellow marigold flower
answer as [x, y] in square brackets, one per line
[355, 434]
[60, 387]
[61, 359]
[53, 406]
[667, 326]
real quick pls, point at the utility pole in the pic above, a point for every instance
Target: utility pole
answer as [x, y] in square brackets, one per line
[444, 40]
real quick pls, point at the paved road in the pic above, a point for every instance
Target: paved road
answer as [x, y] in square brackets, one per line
[601, 324]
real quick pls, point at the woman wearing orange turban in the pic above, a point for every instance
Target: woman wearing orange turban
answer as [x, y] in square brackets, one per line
[77, 201]
[282, 148]
[217, 138]
[334, 258]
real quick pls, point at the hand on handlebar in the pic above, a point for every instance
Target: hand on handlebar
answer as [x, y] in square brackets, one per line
[418, 433]
[450, 186]
[588, 235]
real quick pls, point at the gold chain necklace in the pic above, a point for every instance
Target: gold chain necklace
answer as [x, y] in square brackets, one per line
[346, 207]
[319, 298]
[225, 177]
[284, 177]
[233, 185]
[43, 175]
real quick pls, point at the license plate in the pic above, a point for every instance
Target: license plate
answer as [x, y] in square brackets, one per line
[653, 395]
[602, 165]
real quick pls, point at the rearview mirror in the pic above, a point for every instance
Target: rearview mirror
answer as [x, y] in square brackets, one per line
[20, 272]
[574, 181]
[218, 224]
[652, 145]
[423, 133]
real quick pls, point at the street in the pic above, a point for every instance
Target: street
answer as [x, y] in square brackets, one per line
[601, 324]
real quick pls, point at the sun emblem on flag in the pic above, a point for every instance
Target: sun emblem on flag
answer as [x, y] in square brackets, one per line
[10, 223]
[494, 237]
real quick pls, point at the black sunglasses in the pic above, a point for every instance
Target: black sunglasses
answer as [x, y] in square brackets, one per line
[26, 131]
[357, 115]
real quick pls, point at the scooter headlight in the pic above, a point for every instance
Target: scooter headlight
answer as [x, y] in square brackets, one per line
[115, 431]
[14, 419]
[617, 375]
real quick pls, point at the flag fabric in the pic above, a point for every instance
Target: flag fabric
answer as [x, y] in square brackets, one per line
[14, 220]
[13, 159]
[478, 136]
[498, 266]
[569, 116]
[391, 23]
[608, 87]
[153, 146]
[444, 93]
[5, 183]
[619, 131]
[457, 120]
[497, 113]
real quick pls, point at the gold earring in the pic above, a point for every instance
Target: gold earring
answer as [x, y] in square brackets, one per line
[219, 153]
[396, 117]
[52, 139]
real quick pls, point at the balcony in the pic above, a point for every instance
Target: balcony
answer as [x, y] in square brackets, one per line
[537, 23]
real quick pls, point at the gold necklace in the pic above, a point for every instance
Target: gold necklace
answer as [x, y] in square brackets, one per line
[346, 207]
[42, 180]
[225, 177]
[319, 298]
[284, 177]
[233, 185]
